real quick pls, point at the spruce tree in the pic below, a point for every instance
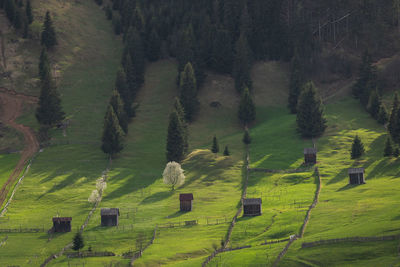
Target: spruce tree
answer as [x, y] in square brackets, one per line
[394, 124]
[48, 34]
[188, 92]
[246, 137]
[367, 80]
[222, 52]
[175, 139]
[118, 106]
[135, 46]
[10, 9]
[396, 153]
[247, 111]
[18, 19]
[374, 104]
[226, 151]
[310, 118]
[131, 81]
[153, 46]
[78, 243]
[181, 115]
[215, 146]
[28, 12]
[357, 148]
[123, 90]
[388, 151]
[295, 85]
[112, 139]
[382, 116]
[49, 111]
[242, 65]
[44, 66]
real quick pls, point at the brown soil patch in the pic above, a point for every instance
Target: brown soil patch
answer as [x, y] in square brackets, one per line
[12, 105]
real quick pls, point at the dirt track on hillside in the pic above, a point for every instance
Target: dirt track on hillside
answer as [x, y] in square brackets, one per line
[12, 105]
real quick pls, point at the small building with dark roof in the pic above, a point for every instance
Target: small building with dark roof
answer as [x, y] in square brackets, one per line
[310, 155]
[62, 224]
[186, 201]
[109, 216]
[252, 206]
[356, 176]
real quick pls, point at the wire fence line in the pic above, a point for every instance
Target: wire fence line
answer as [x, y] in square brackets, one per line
[350, 239]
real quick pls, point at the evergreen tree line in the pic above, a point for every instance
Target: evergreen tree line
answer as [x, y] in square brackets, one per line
[19, 14]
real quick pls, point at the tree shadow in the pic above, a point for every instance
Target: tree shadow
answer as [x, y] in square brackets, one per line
[157, 197]
[177, 214]
[347, 187]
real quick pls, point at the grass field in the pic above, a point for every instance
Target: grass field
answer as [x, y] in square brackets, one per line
[7, 164]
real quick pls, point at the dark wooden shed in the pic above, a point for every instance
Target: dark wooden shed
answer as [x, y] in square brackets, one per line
[252, 206]
[186, 201]
[310, 155]
[62, 224]
[356, 176]
[109, 216]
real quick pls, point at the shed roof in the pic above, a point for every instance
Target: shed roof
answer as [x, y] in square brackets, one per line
[62, 219]
[186, 197]
[109, 211]
[310, 150]
[356, 170]
[252, 201]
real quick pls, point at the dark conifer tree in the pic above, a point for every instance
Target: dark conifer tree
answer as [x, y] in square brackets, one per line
[188, 92]
[175, 139]
[28, 12]
[10, 9]
[388, 151]
[109, 13]
[374, 104]
[18, 19]
[310, 118]
[394, 124]
[242, 65]
[44, 66]
[247, 111]
[383, 115]
[123, 90]
[118, 106]
[222, 52]
[131, 82]
[367, 80]
[357, 148]
[153, 46]
[296, 84]
[215, 146]
[226, 151]
[117, 25]
[112, 139]
[78, 243]
[246, 137]
[181, 115]
[137, 53]
[48, 34]
[396, 153]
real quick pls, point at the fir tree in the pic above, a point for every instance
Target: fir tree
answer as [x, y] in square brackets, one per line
[396, 153]
[367, 80]
[215, 146]
[175, 139]
[28, 12]
[112, 139]
[109, 13]
[18, 19]
[153, 46]
[388, 151]
[246, 137]
[374, 104]
[10, 9]
[135, 46]
[295, 85]
[48, 34]
[44, 66]
[247, 111]
[357, 148]
[382, 116]
[226, 151]
[78, 243]
[49, 111]
[310, 119]
[118, 106]
[181, 115]
[242, 65]
[188, 92]
[122, 88]
[394, 124]
[222, 52]
[131, 81]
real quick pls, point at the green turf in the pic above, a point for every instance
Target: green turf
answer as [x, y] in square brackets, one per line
[7, 165]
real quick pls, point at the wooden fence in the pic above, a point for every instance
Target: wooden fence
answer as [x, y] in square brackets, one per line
[23, 230]
[350, 239]
[85, 254]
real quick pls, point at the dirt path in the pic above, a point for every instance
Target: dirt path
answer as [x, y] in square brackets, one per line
[12, 105]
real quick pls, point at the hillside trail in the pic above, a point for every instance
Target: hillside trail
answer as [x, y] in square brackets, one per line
[12, 105]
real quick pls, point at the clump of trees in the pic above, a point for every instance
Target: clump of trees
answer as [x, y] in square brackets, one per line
[173, 174]
[19, 14]
[310, 117]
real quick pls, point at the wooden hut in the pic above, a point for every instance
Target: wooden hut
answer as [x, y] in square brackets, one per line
[109, 216]
[186, 201]
[310, 155]
[252, 206]
[62, 224]
[356, 176]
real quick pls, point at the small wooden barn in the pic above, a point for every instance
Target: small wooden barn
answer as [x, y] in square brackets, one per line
[62, 224]
[252, 206]
[356, 176]
[310, 155]
[186, 201]
[109, 216]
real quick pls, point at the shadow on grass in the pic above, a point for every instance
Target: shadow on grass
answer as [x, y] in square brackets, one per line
[157, 197]
[347, 187]
[176, 214]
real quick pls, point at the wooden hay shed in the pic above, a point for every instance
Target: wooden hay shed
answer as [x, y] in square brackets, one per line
[356, 176]
[310, 155]
[186, 201]
[252, 206]
[109, 216]
[62, 224]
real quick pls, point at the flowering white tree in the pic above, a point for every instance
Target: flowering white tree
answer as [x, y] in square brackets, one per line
[94, 197]
[173, 174]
